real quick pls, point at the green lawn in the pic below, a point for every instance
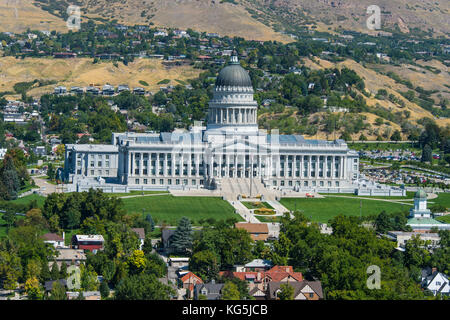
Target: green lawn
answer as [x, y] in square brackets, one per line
[442, 199]
[409, 195]
[135, 193]
[323, 209]
[445, 219]
[170, 209]
[24, 200]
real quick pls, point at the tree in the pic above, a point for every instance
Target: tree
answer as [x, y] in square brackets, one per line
[137, 262]
[9, 179]
[33, 289]
[55, 271]
[204, 264]
[51, 173]
[182, 237]
[149, 219]
[142, 287]
[382, 222]
[286, 293]
[426, 153]
[10, 218]
[396, 136]
[104, 290]
[58, 291]
[230, 291]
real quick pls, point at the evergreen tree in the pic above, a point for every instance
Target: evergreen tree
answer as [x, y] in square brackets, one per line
[149, 219]
[55, 271]
[182, 238]
[426, 153]
[63, 271]
[9, 179]
[104, 289]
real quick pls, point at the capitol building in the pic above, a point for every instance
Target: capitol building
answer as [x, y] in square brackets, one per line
[230, 151]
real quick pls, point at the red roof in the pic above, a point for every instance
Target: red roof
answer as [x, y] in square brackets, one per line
[188, 275]
[277, 273]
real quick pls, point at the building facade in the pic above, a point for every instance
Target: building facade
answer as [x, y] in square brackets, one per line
[230, 147]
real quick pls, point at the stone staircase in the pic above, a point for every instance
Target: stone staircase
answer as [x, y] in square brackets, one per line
[233, 187]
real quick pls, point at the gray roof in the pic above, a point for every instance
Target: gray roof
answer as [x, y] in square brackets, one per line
[214, 290]
[316, 286]
[233, 75]
[166, 234]
[49, 284]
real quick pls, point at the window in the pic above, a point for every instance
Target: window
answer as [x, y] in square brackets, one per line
[107, 164]
[92, 163]
[177, 181]
[107, 157]
[78, 163]
[161, 181]
[321, 183]
[193, 182]
[92, 172]
[99, 163]
[145, 181]
[153, 181]
[107, 172]
[137, 181]
[311, 295]
[169, 182]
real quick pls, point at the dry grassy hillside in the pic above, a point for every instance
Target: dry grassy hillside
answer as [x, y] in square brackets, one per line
[82, 72]
[351, 14]
[18, 15]
[201, 15]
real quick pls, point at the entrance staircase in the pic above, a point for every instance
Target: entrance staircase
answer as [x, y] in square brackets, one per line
[248, 187]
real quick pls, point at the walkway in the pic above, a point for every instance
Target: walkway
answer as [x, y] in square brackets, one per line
[243, 211]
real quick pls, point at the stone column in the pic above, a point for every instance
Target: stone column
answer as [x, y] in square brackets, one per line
[309, 166]
[197, 164]
[141, 164]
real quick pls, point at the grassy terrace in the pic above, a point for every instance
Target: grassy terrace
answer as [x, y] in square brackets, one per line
[256, 205]
[324, 209]
[170, 209]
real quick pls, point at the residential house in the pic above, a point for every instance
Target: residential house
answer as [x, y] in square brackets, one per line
[435, 281]
[401, 237]
[211, 290]
[141, 236]
[258, 231]
[260, 279]
[255, 265]
[88, 242]
[166, 236]
[54, 239]
[69, 257]
[303, 290]
[48, 285]
[88, 295]
[188, 282]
